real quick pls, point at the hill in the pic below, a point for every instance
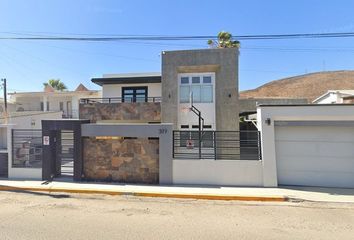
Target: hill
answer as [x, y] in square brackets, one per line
[309, 86]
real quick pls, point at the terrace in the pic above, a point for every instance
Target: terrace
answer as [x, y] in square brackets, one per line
[121, 109]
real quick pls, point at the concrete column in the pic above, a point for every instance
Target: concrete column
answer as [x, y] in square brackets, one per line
[270, 178]
[45, 100]
[75, 107]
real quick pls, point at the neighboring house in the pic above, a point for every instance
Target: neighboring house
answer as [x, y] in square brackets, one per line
[336, 97]
[11, 107]
[29, 119]
[66, 102]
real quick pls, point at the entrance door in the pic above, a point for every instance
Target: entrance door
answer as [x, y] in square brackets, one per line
[65, 154]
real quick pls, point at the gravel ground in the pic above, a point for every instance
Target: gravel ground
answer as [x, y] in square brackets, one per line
[77, 216]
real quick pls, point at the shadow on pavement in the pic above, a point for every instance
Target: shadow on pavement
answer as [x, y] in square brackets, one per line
[13, 190]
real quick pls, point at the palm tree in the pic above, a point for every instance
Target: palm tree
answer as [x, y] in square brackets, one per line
[224, 41]
[56, 84]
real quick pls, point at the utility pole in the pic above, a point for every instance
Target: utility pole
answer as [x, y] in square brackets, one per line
[5, 97]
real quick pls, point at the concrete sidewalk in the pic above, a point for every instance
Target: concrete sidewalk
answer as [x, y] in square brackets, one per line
[194, 192]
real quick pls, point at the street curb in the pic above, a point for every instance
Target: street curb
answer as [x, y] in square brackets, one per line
[148, 194]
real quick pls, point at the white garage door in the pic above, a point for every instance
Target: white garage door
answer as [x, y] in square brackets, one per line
[315, 155]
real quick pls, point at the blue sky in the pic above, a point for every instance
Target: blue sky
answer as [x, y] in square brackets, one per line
[27, 64]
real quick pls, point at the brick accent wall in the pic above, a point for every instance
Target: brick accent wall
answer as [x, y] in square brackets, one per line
[144, 111]
[121, 160]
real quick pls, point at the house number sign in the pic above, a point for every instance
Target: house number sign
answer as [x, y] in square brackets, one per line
[162, 131]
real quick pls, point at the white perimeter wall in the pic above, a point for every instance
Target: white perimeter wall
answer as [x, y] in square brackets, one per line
[115, 90]
[25, 173]
[33, 120]
[218, 172]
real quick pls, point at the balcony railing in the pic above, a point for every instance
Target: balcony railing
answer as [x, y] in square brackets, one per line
[120, 100]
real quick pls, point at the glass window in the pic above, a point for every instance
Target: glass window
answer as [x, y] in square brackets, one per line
[184, 80]
[128, 98]
[196, 93]
[207, 93]
[195, 80]
[134, 94]
[184, 94]
[207, 79]
[200, 86]
[140, 91]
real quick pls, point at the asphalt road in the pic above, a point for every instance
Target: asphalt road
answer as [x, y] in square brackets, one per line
[75, 216]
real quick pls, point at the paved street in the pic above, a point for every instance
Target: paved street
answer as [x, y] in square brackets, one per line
[78, 216]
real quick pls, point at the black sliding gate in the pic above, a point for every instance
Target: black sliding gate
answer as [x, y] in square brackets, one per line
[222, 145]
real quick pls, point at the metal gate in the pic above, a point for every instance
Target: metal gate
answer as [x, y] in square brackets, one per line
[65, 154]
[3, 165]
[26, 148]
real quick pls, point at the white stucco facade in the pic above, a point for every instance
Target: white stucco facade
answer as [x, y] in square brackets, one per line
[115, 90]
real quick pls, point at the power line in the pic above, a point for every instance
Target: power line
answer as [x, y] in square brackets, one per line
[114, 38]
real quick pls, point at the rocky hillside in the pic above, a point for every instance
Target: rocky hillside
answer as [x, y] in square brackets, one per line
[309, 86]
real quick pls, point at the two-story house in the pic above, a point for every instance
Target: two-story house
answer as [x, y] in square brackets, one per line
[206, 79]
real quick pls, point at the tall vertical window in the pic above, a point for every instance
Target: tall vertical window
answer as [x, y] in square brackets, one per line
[200, 86]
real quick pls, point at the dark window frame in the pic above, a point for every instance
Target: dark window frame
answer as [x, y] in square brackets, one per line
[135, 95]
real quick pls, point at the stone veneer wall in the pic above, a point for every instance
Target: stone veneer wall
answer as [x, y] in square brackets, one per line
[143, 112]
[121, 160]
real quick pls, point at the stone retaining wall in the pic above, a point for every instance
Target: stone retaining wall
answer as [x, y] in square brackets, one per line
[121, 160]
[142, 111]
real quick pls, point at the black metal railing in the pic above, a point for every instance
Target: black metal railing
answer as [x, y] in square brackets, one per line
[218, 145]
[27, 148]
[119, 100]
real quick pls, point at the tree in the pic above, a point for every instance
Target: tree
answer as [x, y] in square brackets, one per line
[56, 84]
[224, 40]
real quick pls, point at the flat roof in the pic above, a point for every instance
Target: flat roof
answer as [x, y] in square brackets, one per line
[126, 78]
